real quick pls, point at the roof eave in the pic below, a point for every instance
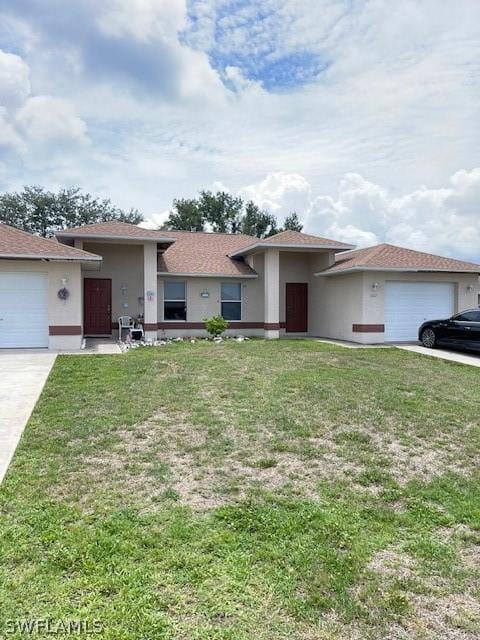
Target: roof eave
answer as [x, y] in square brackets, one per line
[30, 256]
[238, 276]
[288, 245]
[334, 272]
[105, 236]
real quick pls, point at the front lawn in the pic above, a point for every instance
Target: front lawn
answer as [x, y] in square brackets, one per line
[261, 490]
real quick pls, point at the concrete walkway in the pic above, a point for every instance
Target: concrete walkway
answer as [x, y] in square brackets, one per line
[352, 345]
[23, 376]
[453, 356]
[94, 346]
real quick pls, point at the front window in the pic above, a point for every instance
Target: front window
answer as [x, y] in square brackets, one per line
[231, 297]
[174, 301]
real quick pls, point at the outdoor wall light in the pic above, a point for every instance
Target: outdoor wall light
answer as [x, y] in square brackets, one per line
[375, 286]
[123, 289]
[64, 281]
[469, 288]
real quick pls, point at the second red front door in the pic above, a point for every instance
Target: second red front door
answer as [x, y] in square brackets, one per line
[296, 313]
[97, 305]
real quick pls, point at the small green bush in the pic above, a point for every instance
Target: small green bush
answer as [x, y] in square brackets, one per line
[216, 325]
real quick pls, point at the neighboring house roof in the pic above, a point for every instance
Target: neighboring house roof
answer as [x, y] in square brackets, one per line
[20, 244]
[388, 257]
[293, 240]
[202, 253]
[115, 230]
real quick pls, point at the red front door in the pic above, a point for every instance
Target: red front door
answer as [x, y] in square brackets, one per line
[296, 298]
[97, 305]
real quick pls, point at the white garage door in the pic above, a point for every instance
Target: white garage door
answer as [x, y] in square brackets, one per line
[408, 304]
[23, 310]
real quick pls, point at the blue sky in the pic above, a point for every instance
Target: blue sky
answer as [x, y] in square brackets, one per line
[360, 115]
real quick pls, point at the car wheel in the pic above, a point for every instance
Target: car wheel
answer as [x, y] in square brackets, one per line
[428, 338]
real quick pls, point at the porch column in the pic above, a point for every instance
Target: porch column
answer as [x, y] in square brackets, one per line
[272, 293]
[150, 290]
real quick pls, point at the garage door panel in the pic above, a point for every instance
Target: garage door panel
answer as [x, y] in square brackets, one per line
[408, 304]
[23, 310]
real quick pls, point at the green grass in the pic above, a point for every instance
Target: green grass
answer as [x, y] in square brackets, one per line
[259, 490]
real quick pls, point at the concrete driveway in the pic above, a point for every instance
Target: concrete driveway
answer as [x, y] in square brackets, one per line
[453, 356]
[23, 375]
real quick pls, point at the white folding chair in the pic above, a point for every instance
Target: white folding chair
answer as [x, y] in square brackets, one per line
[125, 322]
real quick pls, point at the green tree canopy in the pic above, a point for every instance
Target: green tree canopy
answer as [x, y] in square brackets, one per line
[185, 215]
[42, 212]
[221, 212]
[292, 222]
[258, 223]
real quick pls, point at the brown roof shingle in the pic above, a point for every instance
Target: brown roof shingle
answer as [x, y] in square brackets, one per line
[190, 252]
[389, 256]
[199, 253]
[293, 239]
[20, 244]
[115, 229]
[304, 239]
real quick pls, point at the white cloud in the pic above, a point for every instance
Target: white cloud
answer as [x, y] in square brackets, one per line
[396, 108]
[142, 19]
[280, 192]
[14, 79]
[445, 220]
[9, 137]
[45, 118]
[157, 23]
[440, 220]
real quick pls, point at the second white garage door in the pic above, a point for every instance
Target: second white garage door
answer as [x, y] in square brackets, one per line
[23, 310]
[408, 304]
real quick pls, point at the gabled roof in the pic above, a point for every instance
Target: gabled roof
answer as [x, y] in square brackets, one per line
[202, 253]
[20, 244]
[293, 240]
[115, 230]
[388, 257]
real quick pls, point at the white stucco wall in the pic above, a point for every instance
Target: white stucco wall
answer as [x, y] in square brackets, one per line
[61, 313]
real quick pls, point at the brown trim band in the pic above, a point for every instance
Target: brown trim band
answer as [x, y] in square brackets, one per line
[271, 326]
[368, 328]
[150, 326]
[65, 330]
[201, 325]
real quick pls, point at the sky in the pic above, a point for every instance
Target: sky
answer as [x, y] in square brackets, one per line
[363, 116]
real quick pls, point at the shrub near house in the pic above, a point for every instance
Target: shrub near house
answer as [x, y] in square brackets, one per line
[216, 326]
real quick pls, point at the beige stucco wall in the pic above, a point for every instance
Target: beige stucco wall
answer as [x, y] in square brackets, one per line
[335, 304]
[199, 308]
[123, 263]
[374, 301]
[60, 312]
[338, 302]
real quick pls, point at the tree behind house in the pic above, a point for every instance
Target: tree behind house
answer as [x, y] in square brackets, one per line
[292, 222]
[222, 213]
[42, 212]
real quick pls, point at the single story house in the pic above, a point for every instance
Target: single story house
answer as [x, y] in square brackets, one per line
[53, 292]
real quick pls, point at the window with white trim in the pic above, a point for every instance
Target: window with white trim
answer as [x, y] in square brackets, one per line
[231, 300]
[174, 301]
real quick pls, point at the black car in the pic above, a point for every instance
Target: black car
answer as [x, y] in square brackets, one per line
[461, 330]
